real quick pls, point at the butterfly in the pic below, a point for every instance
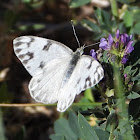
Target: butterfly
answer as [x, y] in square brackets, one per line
[58, 73]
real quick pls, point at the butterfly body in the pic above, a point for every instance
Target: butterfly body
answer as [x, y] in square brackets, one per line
[58, 73]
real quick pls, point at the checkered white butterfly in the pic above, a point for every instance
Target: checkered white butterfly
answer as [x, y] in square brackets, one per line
[58, 73]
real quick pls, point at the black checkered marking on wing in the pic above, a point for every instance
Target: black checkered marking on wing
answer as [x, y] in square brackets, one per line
[88, 82]
[47, 46]
[30, 54]
[42, 64]
[31, 40]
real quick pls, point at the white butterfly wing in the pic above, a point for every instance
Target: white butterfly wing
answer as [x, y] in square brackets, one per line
[87, 73]
[48, 62]
[45, 86]
[36, 52]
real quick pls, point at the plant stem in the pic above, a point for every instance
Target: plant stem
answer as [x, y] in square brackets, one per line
[25, 105]
[121, 105]
[111, 136]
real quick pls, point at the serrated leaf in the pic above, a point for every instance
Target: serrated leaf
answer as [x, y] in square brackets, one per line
[87, 131]
[133, 95]
[90, 25]
[78, 3]
[62, 127]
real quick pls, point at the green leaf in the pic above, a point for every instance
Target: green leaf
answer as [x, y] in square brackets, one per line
[106, 18]
[102, 135]
[127, 69]
[78, 3]
[128, 18]
[109, 92]
[98, 14]
[73, 122]
[136, 28]
[114, 7]
[112, 119]
[57, 137]
[133, 95]
[62, 127]
[90, 25]
[86, 130]
[136, 14]
[136, 77]
[125, 130]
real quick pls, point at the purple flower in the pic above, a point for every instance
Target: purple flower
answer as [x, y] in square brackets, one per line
[117, 45]
[124, 59]
[129, 48]
[121, 46]
[125, 39]
[118, 34]
[93, 54]
[106, 45]
[125, 75]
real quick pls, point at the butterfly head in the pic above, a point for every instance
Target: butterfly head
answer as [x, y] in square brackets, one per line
[80, 50]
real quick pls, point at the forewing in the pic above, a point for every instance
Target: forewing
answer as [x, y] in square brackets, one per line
[44, 87]
[87, 73]
[36, 52]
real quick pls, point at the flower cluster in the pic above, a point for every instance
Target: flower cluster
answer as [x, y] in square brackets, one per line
[120, 46]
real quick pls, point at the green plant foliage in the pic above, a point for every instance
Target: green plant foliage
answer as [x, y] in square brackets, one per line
[78, 3]
[128, 18]
[73, 122]
[137, 28]
[63, 128]
[77, 128]
[88, 132]
[133, 95]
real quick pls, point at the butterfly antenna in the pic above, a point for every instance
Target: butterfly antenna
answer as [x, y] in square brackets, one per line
[91, 45]
[75, 34]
